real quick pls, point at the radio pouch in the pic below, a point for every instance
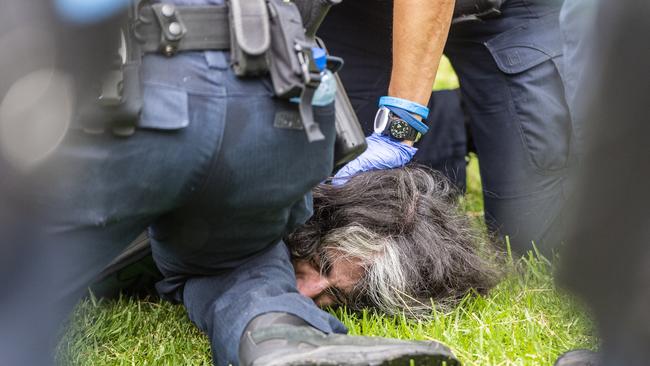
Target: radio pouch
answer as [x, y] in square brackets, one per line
[250, 37]
[292, 68]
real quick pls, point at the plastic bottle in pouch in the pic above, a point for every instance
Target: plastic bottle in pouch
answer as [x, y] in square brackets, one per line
[326, 91]
[350, 139]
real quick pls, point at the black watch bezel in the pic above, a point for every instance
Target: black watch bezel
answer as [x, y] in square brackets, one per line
[388, 123]
[401, 130]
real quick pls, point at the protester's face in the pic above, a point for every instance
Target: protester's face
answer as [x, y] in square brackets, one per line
[330, 286]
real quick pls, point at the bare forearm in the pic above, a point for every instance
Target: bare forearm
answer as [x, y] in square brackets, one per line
[420, 30]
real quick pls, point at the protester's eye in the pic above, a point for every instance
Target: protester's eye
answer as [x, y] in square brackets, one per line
[323, 264]
[339, 296]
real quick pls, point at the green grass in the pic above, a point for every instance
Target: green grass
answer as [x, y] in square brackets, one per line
[446, 78]
[132, 332]
[523, 321]
[472, 202]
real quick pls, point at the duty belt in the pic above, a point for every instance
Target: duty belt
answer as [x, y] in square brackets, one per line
[161, 28]
[244, 27]
[169, 29]
[264, 37]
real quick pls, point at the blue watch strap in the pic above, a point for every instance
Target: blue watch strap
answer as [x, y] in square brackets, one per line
[412, 121]
[404, 104]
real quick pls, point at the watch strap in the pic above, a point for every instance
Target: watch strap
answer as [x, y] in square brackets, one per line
[404, 104]
[408, 118]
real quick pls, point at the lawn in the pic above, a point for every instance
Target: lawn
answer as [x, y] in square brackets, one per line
[525, 320]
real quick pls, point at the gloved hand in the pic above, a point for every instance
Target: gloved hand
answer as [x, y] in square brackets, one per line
[382, 153]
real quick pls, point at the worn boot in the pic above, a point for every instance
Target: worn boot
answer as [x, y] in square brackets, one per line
[275, 339]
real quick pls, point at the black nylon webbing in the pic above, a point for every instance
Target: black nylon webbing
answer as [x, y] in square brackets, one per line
[207, 29]
[307, 115]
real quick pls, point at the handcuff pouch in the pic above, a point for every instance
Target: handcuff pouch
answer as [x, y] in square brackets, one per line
[292, 63]
[250, 37]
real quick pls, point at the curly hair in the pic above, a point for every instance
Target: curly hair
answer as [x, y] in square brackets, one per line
[417, 248]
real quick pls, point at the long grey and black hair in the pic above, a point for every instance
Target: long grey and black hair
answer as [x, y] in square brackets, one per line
[404, 225]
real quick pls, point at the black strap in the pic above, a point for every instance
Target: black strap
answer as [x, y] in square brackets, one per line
[203, 27]
[307, 115]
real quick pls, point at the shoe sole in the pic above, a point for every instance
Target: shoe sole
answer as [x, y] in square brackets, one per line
[394, 355]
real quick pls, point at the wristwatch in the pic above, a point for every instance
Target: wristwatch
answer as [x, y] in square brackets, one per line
[387, 123]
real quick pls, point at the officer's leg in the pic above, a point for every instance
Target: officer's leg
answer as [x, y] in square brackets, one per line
[509, 70]
[97, 203]
[220, 253]
[101, 191]
[360, 32]
[223, 305]
[107, 189]
[444, 147]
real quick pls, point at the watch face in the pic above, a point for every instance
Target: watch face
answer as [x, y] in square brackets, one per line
[399, 129]
[381, 119]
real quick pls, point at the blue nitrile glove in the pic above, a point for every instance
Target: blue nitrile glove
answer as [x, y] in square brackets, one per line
[88, 11]
[382, 153]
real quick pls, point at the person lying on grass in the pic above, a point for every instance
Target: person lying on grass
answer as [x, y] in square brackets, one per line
[395, 240]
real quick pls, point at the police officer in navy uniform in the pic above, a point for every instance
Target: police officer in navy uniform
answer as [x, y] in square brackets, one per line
[218, 185]
[508, 58]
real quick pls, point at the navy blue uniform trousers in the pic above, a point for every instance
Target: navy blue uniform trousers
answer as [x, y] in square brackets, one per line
[511, 99]
[214, 181]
